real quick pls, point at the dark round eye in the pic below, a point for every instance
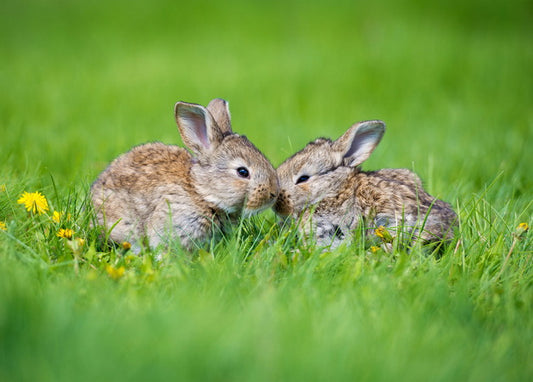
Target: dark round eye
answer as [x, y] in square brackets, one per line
[303, 178]
[243, 172]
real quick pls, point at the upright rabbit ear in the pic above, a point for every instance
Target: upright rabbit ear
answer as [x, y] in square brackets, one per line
[356, 145]
[219, 109]
[197, 127]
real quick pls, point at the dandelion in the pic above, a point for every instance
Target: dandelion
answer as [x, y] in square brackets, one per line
[56, 216]
[65, 233]
[3, 226]
[76, 246]
[522, 228]
[126, 245]
[34, 202]
[379, 231]
[2, 188]
[115, 273]
[383, 234]
[374, 249]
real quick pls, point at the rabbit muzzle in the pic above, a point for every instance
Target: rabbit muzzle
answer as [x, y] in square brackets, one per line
[283, 206]
[261, 198]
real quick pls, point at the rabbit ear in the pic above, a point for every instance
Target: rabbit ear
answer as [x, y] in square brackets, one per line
[356, 145]
[197, 127]
[219, 109]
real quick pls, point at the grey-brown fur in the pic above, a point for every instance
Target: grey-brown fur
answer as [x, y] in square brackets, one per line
[162, 192]
[338, 195]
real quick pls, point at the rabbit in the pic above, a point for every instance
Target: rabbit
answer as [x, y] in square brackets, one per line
[325, 190]
[162, 192]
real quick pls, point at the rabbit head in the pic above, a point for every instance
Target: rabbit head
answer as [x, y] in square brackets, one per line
[320, 170]
[228, 171]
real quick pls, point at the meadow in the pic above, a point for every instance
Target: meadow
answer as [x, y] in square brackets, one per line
[83, 82]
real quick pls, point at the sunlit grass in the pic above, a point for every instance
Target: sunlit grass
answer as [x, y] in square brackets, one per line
[261, 305]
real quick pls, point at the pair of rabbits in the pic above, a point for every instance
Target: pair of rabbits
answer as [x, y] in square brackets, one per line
[162, 192]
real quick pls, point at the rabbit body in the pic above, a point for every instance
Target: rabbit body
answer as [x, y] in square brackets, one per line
[324, 186]
[162, 192]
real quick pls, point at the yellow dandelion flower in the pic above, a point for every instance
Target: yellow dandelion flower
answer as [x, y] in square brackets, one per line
[2, 187]
[523, 227]
[3, 226]
[65, 233]
[383, 234]
[34, 202]
[126, 245]
[58, 215]
[115, 273]
[521, 230]
[75, 245]
[374, 249]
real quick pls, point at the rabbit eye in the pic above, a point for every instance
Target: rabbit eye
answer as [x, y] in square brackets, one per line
[243, 172]
[303, 178]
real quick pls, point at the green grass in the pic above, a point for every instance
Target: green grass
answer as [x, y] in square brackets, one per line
[84, 81]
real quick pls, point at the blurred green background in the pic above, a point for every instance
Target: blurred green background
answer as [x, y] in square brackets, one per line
[84, 81]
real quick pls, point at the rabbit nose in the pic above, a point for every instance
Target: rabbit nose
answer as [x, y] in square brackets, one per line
[283, 206]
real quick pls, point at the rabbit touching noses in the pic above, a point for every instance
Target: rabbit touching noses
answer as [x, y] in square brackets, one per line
[162, 192]
[156, 193]
[324, 189]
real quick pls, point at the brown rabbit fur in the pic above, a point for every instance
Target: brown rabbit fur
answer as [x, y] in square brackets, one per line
[324, 188]
[162, 192]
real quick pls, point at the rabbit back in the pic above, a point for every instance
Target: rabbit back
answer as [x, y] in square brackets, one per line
[396, 198]
[143, 190]
[392, 198]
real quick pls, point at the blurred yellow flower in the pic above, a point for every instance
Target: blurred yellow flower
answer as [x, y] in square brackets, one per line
[115, 273]
[56, 216]
[2, 187]
[76, 245]
[65, 233]
[521, 230]
[374, 249]
[126, 245]
[34, 202]
[3, 226]
[382, 233]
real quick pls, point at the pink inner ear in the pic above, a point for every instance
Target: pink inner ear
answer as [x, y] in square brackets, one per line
[363, 144]
[196, 122]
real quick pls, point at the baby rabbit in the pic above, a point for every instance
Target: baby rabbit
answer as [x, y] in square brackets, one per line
[162, 192]
[324, 186]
